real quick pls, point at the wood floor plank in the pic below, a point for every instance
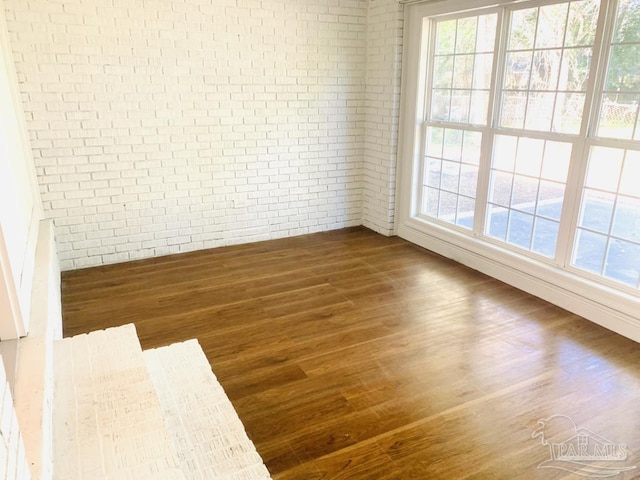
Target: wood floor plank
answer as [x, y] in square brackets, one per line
[349, 355]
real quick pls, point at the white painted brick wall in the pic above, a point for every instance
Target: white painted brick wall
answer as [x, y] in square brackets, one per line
[162, 126]
[382, 100]
[13, 461]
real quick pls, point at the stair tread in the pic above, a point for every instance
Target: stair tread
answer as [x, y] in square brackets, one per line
[206, 431]
[108, 422]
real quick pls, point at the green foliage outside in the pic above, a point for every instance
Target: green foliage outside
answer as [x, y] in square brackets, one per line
[624, 64]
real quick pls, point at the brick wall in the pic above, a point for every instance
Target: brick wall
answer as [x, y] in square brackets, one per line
[382, 101]
[13, 461]
[162, 126]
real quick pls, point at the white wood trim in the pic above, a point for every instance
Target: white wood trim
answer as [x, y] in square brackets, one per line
[34, 380]
[19, 190]
[409, 123]
[11, 322]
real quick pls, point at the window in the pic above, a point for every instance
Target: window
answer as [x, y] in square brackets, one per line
[462, 67]
[463, 60]
[451, 175]
[528, 178]
[548, 57]
[607, 241]
[531, 132]
[620, 101]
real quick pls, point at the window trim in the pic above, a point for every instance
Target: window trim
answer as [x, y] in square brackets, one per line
[596, 298]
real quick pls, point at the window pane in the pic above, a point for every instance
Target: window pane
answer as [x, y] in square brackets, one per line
[463, 71]
[551, 24]
[501, 185]
[546, 69]
[430, 202]
[550, 198]
[445, 37]
[529, 156]
[626, 220]
[448, 206]
[623, 262]
[548, 60]
[597, 210]
[604, 168]
[545, 237]
[609, 221]
[443, 72]
[466, 207]
[505, 150]
[460, 105]
[589, 251]
[452, 144]
[433, 172]
[466, 35]
[485, 40]
[518, 70]
[440, 105]
[497, 218]
[630, 181]
[523, 28]
[468, 180]
[531, 203]
[582, 23]
[462, 68]
[627, 27]
[574, 71]
[479, 107]
[623, 72]
[514, 105]
[519, 229]
[539, 111]
[621, 99]
[482, 73]
[618, 115]
[524, 194]
[556, 161]
[435, 141]
[568, 112]
[450, 175]
[471, 147]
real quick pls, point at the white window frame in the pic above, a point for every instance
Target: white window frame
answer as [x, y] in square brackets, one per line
[605, 302]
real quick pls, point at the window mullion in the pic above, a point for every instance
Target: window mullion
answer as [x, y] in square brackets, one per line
[599, 64]
[502, 38]
[572, 200]
[482, 189]
[581, 147]
[427, 46]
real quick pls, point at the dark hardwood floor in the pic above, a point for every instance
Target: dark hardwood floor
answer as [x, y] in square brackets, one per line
[349, 355]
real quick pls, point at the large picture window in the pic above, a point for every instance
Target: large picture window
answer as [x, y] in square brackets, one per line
[531, 132]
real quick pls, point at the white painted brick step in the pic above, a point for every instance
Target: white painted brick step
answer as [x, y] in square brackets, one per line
[206, 431]
[107, 420]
